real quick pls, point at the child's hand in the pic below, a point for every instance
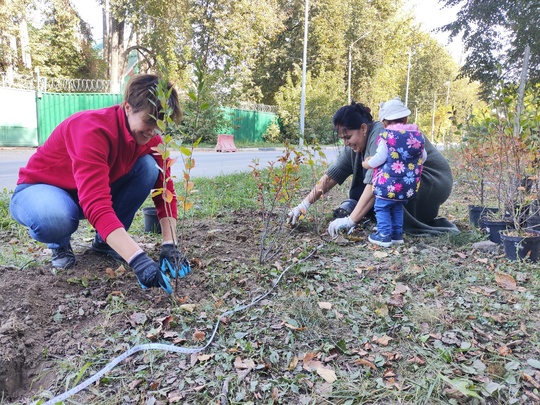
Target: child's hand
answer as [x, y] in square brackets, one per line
[365, 163]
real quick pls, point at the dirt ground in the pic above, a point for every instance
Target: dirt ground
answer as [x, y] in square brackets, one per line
[42, 314]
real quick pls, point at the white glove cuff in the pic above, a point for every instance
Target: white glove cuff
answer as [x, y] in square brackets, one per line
[304, 204]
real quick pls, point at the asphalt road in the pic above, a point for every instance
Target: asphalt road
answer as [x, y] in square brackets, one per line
[207, 163]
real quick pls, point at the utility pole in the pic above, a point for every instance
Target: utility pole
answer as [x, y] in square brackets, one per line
[350, 67]
[408, 76]
[521, 90]
[304, 62]
[433, 116]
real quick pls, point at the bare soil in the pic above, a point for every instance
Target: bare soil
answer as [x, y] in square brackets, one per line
[43, 314]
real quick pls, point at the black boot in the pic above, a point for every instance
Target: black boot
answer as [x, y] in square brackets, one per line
[63, 257]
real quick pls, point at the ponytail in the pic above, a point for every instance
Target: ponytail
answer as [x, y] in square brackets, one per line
[352, 116]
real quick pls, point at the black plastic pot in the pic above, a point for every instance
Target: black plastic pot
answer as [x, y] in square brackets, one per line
[477, 214]
[493, 229]
[522, 247]
[151, 222]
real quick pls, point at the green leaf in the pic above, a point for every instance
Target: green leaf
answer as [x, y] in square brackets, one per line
[81, 373]
[533, 363]
[462, 385]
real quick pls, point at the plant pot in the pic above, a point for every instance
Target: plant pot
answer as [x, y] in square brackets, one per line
[522, 247]
[151, 222]
[477, 214]
[534, 223]
[494, 227]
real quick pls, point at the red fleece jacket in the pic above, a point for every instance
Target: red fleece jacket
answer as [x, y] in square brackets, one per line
[88, 152]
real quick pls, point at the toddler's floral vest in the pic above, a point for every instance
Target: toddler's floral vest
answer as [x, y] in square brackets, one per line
[399, 177]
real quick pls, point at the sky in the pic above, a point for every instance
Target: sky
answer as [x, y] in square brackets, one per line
[428, 14]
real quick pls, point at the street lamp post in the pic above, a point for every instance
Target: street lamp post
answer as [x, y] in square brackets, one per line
[408, 76]
[350, 67]
[304, 62]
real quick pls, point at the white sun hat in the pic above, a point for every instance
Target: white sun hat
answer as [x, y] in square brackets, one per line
[393, 110]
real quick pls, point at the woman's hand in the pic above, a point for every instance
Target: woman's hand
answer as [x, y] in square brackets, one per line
[341, 223]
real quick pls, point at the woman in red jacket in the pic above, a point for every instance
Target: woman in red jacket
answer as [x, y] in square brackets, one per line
[99, 165]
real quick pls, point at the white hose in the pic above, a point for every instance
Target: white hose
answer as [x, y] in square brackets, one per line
[167, 347]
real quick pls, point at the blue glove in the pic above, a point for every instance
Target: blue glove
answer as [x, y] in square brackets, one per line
[172, 260]
[149, 274]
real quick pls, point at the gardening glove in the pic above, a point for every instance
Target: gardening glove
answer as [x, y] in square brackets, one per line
[149, 274]
[341, 223]
[172, 260]
[293, 217]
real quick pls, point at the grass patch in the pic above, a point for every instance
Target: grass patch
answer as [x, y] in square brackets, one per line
[423, 323]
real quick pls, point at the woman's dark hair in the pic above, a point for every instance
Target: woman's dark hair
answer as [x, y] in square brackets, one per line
[352, 116]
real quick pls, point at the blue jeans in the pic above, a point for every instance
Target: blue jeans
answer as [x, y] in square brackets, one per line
[389, 214]
[52, 214]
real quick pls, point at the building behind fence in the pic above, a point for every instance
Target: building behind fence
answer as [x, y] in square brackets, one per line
[27, 116]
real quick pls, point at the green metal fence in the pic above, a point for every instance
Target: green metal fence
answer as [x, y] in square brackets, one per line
[248, 126]
[53, 108]
[22, 127]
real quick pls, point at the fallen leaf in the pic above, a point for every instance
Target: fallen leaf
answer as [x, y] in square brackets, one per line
[378, 254]
[382, 311]
[417, 360]
[120, 271]
[364, 362]
[199, 336]
[134, 384]
[153, 333]
[504, 350]
[110, 272]
[188, 307]
[166, 321]
[275, 394]
[400, 289]
[294, 363]
[174, 396]
[505, 281]
[243, 364]
[383, 340]
[530, 380]
[288, 325]
[204, 357]
[137, 318]
[325, 305]
[328, 375]
[396, 300]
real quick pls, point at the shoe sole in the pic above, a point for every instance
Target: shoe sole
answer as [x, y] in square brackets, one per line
[398, 242]
[380, 243]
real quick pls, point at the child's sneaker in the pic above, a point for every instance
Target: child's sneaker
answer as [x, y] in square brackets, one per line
[380, 239]
[397, 239]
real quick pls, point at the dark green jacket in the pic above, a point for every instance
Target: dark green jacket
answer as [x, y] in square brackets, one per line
[422, 212]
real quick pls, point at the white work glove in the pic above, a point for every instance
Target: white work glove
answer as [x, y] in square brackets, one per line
[340, 223]
[293, 217]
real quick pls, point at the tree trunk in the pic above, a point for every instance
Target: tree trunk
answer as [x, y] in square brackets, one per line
[116, 60]
[25, 43]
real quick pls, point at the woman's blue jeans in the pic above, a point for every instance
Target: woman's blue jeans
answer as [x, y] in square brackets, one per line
[52, 214]
[389, 214]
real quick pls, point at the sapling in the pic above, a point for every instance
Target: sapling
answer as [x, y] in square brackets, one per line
[277, 186]
[166, 128]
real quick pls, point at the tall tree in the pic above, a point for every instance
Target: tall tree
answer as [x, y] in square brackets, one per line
[14, 41]
[495, 33]
[62, 46]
